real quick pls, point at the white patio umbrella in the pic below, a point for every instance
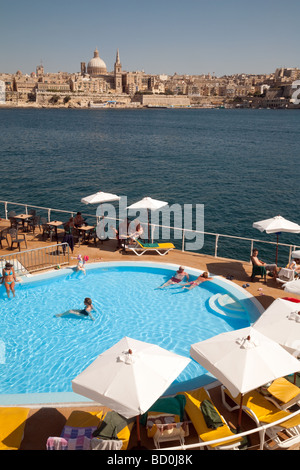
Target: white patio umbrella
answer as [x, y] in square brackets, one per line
[281, 323]
[293, 287]
[100, 198]
[243, 360]
[149, 204]
[296, 254]
[130, 376]
[277, 225]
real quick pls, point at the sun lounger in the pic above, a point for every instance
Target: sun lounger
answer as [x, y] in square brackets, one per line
[165, 427]
[165, 420]
[194, 401]
[12, 425]
[140, 248]
[283, 394]
[262, 411]
[79, 432]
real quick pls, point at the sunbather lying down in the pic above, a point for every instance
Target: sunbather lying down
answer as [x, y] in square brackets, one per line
[202, 278]
[177, 278]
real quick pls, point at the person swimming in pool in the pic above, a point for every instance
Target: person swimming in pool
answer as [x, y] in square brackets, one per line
[86, 312]
[177, 278]
[9, 279]
[202, 278]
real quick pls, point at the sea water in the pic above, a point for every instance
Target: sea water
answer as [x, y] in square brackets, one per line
[241, 164]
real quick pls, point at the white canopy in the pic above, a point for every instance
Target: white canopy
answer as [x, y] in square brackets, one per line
[100, 198]
[148, 203]
[244, 359]
[130, 376]
[293, 287]
[296, 254]
[281, 323]
[277, 224]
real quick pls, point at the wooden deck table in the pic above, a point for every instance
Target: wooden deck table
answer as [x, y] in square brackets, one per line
[22, 218]
[55, 224]
[84, 230]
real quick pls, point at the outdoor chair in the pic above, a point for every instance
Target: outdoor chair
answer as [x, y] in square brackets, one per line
[17, 238]
[206, 428]
[14, 223]
[33, 223]
[48, 231]
[258, 271]
[3, 236]
[262, 411]
[285, 275]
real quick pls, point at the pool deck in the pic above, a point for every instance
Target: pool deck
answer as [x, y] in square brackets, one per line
[49, 420]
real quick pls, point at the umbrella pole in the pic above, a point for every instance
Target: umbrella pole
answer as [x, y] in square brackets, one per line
[240, 413]
[276, 251]
[138, 430]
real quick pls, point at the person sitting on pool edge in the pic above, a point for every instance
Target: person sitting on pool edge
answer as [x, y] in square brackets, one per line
[88, 307]
[177, 278]
[81, 263]
[202, 278]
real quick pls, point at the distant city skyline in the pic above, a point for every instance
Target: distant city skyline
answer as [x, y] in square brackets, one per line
[160, 37]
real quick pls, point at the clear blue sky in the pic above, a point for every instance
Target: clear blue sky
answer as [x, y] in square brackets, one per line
[157, 36]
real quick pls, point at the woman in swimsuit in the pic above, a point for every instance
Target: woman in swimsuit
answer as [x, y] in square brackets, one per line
[203, 277]
[88, 307]
[9, 278]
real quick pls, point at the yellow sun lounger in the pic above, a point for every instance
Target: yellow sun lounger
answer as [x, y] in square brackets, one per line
[283, 393]
[205, 434]
[262, 411]
[140, 248]
[85, 422]
[12, 425]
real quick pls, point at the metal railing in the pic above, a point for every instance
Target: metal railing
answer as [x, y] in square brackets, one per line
[37, 259]
[261, 430]
[154, 227]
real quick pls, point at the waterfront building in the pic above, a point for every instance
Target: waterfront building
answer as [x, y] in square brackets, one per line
[96, 65]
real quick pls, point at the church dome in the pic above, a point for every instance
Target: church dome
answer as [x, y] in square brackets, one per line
[96, 65]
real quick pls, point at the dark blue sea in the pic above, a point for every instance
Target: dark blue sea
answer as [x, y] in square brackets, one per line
[241, 164]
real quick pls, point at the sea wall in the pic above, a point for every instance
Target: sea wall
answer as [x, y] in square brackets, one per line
[165, 100]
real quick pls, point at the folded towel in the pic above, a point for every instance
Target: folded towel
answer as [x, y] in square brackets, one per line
[56, 443]
[105, 444]
[211, 416]
[111, 425]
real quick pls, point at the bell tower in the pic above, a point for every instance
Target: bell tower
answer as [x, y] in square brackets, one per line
[118, 74]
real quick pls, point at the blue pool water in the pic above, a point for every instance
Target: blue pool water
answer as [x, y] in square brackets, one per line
[44, 353]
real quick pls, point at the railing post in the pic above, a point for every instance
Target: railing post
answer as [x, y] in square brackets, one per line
[49, 215]
[182, 245]
[216, 245]
[251, 250]
[152, 232]
[5, 210]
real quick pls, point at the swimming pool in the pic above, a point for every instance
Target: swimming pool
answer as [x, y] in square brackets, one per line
[41, 353]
